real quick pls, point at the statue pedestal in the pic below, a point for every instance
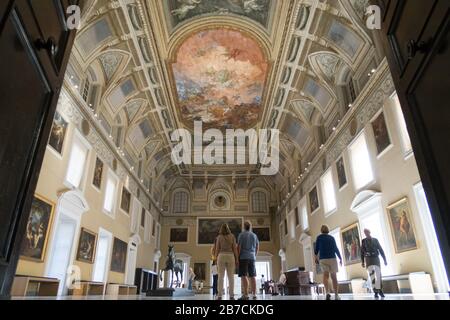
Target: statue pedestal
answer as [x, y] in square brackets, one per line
[170, 292]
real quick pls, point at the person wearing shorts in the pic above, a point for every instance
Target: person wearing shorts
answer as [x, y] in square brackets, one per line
[248, 246]
[325, 252]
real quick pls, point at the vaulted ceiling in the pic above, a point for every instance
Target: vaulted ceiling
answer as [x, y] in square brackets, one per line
[148, 67]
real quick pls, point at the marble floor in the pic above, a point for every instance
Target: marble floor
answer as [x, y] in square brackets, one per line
[206, 297]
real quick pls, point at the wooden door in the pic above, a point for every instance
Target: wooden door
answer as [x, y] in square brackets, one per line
[417, 43]
[34, 50]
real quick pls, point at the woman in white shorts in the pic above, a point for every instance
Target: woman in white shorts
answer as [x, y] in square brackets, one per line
[326, 251]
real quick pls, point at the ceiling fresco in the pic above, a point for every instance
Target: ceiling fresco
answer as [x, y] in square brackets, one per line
[257, 10]
[220, 76]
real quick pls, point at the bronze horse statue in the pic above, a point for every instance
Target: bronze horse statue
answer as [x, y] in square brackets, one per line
[174, 265]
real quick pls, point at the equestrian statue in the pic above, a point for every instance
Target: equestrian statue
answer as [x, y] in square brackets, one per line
[174, 265]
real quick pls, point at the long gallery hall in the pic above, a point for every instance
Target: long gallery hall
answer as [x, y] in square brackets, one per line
[201, 150]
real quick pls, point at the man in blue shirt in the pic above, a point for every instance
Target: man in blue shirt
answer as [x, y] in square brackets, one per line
[248, 246]
[325, 252]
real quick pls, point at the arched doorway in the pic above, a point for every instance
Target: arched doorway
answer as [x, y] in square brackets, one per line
[70, 208]
[130, 272]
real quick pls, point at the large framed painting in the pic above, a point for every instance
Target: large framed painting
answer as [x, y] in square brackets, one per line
[342, 176]
[208, 228]
[179, 235]
[58, 133]
[351, 242]
[125, 201]
[98, 173]
[39, 223]
[86, 246]
[313, 200]
[263, 233]
[119, 256]
[200, 271]
[402, 226]
[381, 133]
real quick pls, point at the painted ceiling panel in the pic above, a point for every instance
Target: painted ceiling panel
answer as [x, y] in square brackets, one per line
[110, 62]
[344, 38]
[220, 76]
[94, 36]
[182, 10]
[319, 93]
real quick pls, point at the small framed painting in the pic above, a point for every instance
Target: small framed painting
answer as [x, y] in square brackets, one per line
[126, 200]
[119, 256]
[381, 133]
[351, 242]
[98, 173]
[200, 271]
[86, 246]
[263, 233]
[313, 200]
[179, 235]
[39, 223]
[402, 226]
[58, 133]
[342, 176]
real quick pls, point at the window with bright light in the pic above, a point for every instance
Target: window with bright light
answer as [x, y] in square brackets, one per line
[292, 224]
[147, 227]
[360, 162]
[110, 194]
[328, 193]
[77, 163]
[304, 215]
[401, 124]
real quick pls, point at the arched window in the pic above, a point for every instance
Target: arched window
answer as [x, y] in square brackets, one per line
[180, 202]
[259, 202]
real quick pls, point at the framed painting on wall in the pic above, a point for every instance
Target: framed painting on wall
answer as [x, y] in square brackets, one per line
[125, 201]
[39, 223]
[263, 233]
[58, 133]
[342, 176]
[200, 271]
[313, 200]
[119, 256]
[402, 226]
[98, 173]
[351, 242]
[179, 235]
[381, 133]
[208, 228]
[86, 246]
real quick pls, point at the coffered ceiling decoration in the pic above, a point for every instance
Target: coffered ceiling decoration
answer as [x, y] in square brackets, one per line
[220, 76]
[147, 67]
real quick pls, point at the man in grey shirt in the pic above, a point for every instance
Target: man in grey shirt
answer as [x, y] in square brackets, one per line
[370, 252]
[248, 246]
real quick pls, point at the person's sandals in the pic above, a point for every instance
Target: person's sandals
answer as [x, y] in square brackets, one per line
[328, 297]
[244, 298]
